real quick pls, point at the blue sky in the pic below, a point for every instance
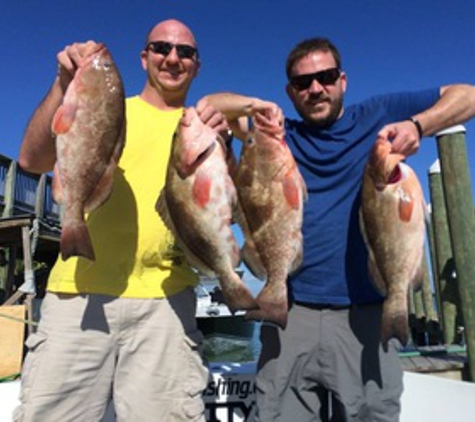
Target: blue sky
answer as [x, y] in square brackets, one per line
[386, 46]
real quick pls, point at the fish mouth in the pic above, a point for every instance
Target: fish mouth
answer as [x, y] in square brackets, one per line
[269, 125]
[386, 168]
[392, 176]
[190, 163]
[395, 176]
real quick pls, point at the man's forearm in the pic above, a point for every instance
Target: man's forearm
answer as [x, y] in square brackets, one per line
[455, 106]
[237, 108]
[38, 153]
[233, 106]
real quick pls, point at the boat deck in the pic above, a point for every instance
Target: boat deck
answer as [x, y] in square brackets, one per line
[444, 361]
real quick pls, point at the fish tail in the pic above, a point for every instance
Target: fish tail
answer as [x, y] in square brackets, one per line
[75, 241]
[273, 305]
[394, 324]
[236, 294]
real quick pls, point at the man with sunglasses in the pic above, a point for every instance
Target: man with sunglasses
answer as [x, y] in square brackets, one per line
[123, 326]
[332, 339]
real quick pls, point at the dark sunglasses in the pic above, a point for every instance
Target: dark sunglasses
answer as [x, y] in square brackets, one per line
[324, 77]
[184, 51]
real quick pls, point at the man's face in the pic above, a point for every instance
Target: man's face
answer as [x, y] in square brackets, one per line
[170, 71]
[321, 103]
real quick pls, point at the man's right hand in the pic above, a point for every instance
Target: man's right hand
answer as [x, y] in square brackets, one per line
[68, 61]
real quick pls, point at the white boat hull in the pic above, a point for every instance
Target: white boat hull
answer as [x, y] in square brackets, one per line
[426, 398]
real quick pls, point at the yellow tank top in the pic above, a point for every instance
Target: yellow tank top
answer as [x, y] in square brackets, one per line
[136, 255]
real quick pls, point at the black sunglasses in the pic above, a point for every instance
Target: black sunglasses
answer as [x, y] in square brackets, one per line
[324, 77]
[184, 51]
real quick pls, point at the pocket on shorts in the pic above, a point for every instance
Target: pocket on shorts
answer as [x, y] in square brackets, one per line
[35, 340]
[197, 374]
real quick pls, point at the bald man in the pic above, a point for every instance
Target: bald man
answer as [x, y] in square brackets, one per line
[124, 325]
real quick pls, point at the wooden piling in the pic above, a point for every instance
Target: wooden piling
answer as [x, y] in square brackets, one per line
[459, 201]
[447, 284]
[433, 265]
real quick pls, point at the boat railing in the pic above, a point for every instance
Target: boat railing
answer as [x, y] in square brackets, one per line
[26, 193]
[4, 165]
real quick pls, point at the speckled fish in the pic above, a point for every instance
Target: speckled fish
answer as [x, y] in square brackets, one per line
[197, 205]
[271, 194]
[90, 127]
[392, 219]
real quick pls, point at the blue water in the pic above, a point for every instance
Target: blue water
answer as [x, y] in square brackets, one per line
[237, 349]
[255, 287]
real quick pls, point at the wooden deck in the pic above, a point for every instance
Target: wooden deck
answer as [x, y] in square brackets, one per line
[443, 361]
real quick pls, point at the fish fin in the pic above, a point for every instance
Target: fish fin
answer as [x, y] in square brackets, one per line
[202, 189]
[374, 273]
[406, 206]
[63, 118]
[161, 207]
[273, 304]
[269, 314]
[251, 258]
[362, 226]
[376, 277]
[297, 262]
[418, 279]
[120, 144]
[236, 294]
[276, 313]
[291, 191]
[394, 323]
[75, 241]
[249, 253]
[103, 189]
[303, 187]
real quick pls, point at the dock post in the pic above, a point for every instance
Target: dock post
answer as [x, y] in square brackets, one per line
[447, 283]
[459, 201]
[432, 325]
[433, 265]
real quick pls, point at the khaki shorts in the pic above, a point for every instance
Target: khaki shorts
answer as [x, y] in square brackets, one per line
[145, 353]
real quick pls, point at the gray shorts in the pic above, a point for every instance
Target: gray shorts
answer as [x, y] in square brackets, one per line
[143, 352]
[322, 352]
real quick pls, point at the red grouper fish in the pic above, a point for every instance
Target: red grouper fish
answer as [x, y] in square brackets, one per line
[392, 219]
[271, 194]
[197, 205]
[90, 129]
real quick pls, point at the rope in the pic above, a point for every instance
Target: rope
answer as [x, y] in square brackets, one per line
[34, 233]
[22, 320]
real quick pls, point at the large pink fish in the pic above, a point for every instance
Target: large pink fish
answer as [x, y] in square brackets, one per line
[392, 219]
[197, 205]
[90, 129]
[271, 194]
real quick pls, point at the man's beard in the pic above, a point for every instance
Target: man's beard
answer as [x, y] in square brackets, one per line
[323, 122]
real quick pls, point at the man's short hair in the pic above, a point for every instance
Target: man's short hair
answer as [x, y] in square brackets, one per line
[308, 46]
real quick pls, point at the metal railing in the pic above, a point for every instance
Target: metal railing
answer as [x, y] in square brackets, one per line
[26, 193]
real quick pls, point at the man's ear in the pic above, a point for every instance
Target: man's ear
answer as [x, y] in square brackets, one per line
[289, 90]
[143, 59]
[197, 68]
